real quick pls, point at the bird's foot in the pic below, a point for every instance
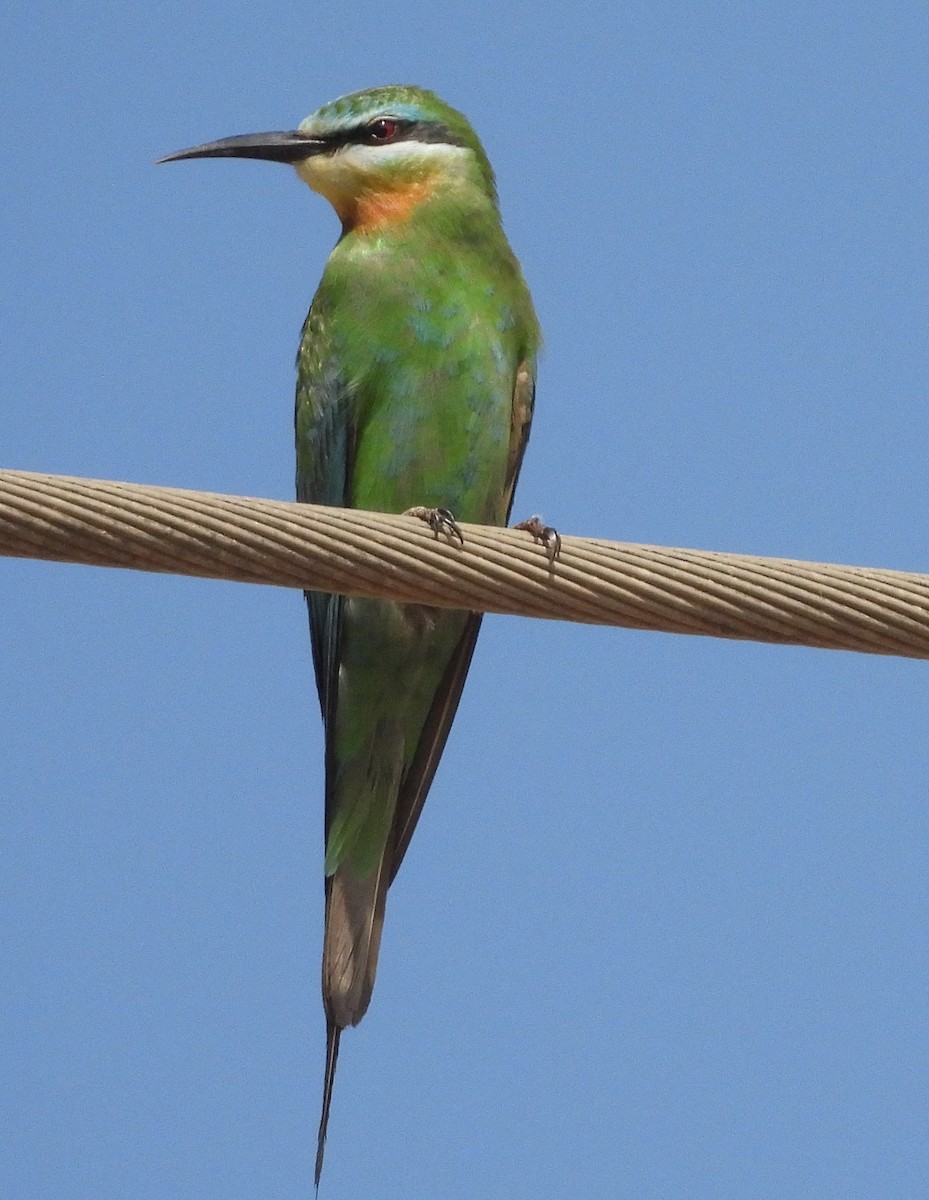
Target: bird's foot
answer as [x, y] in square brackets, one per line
[545, 535]
[439, 520]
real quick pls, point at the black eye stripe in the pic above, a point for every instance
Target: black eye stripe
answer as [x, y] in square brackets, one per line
[431, 132]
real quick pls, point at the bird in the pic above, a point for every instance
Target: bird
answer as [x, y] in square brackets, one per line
[415, 393]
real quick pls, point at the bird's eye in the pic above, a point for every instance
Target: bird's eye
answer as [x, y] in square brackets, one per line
[382, 130]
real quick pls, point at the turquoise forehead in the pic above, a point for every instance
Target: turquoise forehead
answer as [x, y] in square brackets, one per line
[409, 103]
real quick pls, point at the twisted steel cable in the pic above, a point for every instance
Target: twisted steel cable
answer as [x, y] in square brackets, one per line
[144, 528]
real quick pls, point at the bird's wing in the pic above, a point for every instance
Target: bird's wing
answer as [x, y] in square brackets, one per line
[325, 449]
[520, 424]
[422, 768]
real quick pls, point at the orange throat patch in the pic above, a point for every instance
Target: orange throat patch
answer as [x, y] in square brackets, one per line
[373, 210]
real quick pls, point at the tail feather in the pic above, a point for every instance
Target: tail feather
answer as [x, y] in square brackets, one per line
[354, 920]
[333, 1033]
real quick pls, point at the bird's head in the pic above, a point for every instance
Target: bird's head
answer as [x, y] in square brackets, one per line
[375, 155]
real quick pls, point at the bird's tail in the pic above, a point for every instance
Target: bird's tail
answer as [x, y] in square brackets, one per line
[354, 920]
[333, 1033]
[352, 941]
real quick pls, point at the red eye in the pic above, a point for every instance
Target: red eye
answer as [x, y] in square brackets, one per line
[382, 130]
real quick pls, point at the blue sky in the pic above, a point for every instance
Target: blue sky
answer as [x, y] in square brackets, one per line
[662, 931]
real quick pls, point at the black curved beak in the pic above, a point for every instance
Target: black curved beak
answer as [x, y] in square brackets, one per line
[275, 147]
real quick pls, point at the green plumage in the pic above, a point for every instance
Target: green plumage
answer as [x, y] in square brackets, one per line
[415, 387]
[416, 378]
[407, 370]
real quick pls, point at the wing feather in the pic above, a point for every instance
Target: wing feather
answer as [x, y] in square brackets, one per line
[422, 768]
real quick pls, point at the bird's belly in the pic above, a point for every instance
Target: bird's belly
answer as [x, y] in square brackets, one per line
[443, 445]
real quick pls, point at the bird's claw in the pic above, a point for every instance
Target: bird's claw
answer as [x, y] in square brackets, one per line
[439, 520]
[545, 535]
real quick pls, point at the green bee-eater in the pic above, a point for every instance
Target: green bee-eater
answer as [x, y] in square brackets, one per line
[415, 388]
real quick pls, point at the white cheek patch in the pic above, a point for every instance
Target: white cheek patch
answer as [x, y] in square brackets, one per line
[368, 157]
[344, 170]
